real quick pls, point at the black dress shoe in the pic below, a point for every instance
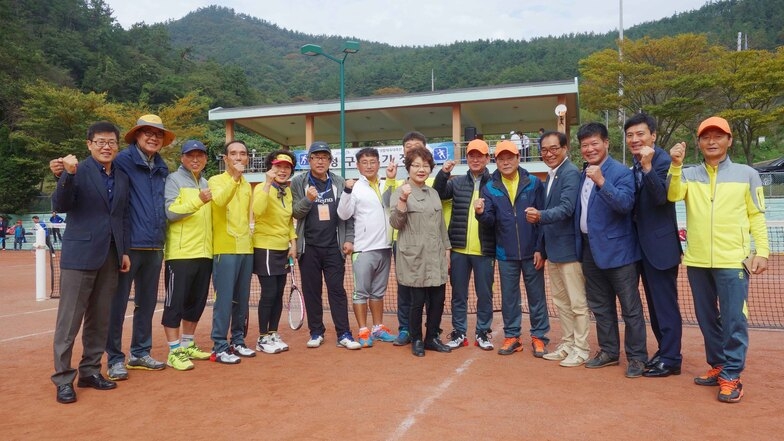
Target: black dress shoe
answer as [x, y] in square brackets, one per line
[66, 393]
[662, 370]
[435, 344]
[96, 381]
[653, 361]
[418, 348]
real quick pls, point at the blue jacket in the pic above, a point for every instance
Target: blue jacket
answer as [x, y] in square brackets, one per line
[148, 200]
[515, 238]
[93, 222]
[557, 218]
[611, 232]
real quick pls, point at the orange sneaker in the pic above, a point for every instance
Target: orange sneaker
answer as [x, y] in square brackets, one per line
[511, 345]
[710, 378]
[538, 345]
[730, 391]
[365, 339]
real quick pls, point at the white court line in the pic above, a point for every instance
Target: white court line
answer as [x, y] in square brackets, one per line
[425, 404]
[28, 312]
[21, 337]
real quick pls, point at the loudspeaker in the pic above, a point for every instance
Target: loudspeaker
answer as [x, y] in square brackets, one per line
[469, 134]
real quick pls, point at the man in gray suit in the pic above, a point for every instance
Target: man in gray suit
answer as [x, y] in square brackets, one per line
[566, 274]
[94, 252]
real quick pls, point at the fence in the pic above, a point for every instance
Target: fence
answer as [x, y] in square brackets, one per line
[766, 305]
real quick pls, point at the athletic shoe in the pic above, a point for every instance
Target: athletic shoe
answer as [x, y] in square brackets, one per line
[561, 353]
[117, 372]
[346, 340]
[483, 338]
[145, 363]
[600, 360]
[267, 344]
[384, 334]
[575, 358]
[711, 378]
[456, 339]
[365, 340]
[635, 368]
[195, 353]
[539, 347]
[315, 340]
[179, 360]
[730, 391]
[224, 357]
[403, 338]
[278, 341]
[242, 350]
[511, 345]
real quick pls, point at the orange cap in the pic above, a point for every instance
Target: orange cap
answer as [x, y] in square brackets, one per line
[506, 146]
[717, 122]
[477, 145]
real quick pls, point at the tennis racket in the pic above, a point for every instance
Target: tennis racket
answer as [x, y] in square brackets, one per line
[296, 305]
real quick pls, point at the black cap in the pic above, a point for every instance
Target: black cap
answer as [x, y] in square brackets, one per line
[319, 146]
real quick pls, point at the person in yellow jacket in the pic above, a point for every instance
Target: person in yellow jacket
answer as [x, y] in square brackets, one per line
[232, 262]
[188, 255]
[724, 204]
[274, 245]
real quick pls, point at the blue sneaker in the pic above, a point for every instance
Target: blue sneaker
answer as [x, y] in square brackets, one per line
[346, 340]
[403, 338]
[365, 338]
[383, 334]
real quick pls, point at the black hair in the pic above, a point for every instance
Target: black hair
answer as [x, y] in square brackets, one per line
[233, 141]
[414, 135]
[368, 151]
[102, 127]
[563, 141]
[419, 152]
[272, 155]
[641, 118]
[592, 129]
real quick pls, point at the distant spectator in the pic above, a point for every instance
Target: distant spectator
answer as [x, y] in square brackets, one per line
[41, 224]
[19, 235]
[3, 228]
[55, 232]
[527, 148]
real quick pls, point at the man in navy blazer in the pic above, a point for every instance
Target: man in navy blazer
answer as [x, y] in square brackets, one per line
[94, 252]
[556, 221]
[657, 232]
[609, 252]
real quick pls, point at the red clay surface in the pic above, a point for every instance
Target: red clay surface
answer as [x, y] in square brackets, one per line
[382, 393]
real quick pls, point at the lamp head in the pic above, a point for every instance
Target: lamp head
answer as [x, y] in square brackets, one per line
[311, 50]
[350, 47]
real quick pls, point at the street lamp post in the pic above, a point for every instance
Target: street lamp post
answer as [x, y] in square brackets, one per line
[349, 47]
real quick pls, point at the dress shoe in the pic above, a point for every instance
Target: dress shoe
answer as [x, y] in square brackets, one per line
[600, 360]
[96, 381]
[66, 393]
[435, 344]
[653, 361]
[662, 370]
[635, 369]
[418, 348]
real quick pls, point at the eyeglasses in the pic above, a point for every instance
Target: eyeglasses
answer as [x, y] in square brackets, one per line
[551, 150]
[320, 158]
[420, 166]
[153, 134]
[368, 163]
[103, 142]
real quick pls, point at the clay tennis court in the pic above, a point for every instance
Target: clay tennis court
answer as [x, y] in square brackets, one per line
[382, 393]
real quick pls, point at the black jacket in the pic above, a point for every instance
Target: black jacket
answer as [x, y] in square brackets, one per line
[460, 190]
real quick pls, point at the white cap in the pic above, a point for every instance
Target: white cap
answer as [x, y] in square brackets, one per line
[512, 132]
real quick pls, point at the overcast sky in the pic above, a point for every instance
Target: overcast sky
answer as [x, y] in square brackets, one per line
[422, 22]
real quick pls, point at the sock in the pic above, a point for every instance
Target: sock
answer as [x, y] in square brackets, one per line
[174, 345]
[377, 327]
[187, 339]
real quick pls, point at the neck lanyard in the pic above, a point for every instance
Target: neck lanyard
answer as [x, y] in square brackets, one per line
[313, 183]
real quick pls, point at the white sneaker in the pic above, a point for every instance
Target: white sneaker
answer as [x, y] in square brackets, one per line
[278, 341]
[575, 358]
[242, 351]
[315, 341]
[483, 340]
[347, 341]
[561, 352]
[225, 357]
[456, 339]
[267, 344]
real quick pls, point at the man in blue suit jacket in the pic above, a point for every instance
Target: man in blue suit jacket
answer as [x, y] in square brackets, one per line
[556, 221]
[657, 232]
[609, 252]
[94, 252]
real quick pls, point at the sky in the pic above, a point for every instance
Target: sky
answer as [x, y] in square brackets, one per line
[422, 22]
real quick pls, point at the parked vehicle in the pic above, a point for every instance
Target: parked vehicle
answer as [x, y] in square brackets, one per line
[771, 172]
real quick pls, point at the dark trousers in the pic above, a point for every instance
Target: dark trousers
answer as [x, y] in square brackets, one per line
[187, 287]
[433, 298]
[661, 294]
[602, 286]
[145, 274]
[330, 263]
[84, 296]
[271, 302]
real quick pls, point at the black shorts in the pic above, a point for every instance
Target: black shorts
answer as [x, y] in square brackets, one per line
[187, 287]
